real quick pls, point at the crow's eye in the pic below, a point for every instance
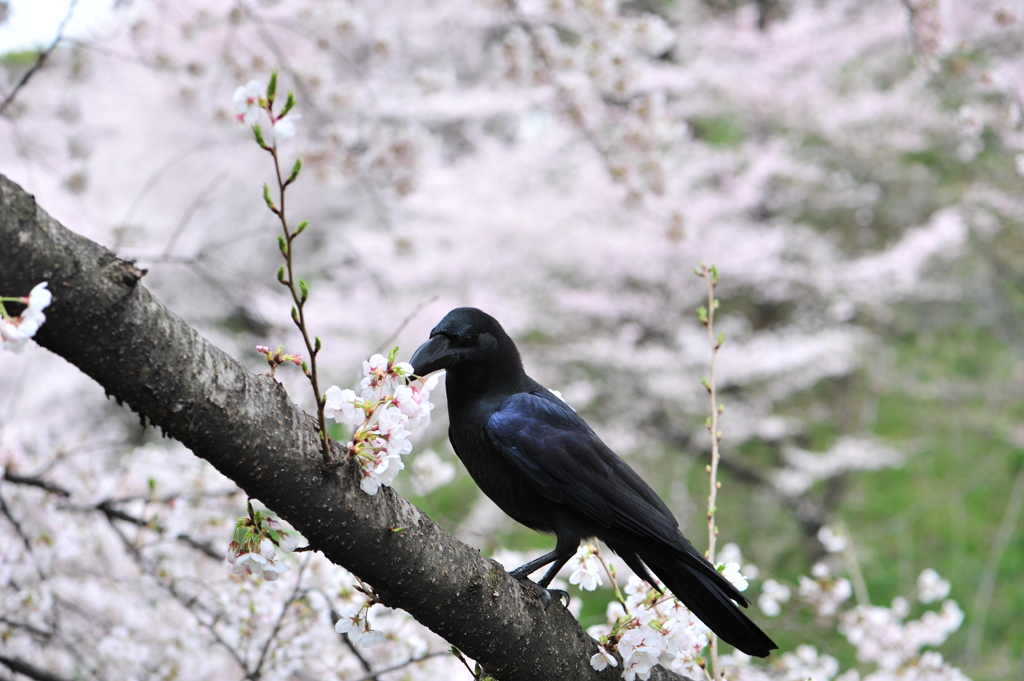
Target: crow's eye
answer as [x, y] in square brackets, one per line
[464, 341]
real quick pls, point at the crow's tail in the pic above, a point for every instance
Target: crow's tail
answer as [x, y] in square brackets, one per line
[710, 597]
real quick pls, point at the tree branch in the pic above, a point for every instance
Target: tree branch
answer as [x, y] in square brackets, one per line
[109, 326]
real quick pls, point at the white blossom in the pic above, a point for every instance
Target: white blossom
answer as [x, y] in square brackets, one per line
[344, 407]
[731, 571]
[284, 128]
[247, 102]
[639, 651]
[586, 571]
[931, 587]
[39, 298]
[602, 659]
[429, 472]
[772, 594]
[833, 543]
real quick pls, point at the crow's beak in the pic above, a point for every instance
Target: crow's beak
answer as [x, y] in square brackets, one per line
[434, 355]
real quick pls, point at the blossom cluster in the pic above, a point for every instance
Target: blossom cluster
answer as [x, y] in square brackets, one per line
[390, 406]
[14, 331]
[253, 550]
[249, 101]
[354, 622]
[881, 636]
[648, 627]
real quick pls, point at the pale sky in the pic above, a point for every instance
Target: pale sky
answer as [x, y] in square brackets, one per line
[34, 23]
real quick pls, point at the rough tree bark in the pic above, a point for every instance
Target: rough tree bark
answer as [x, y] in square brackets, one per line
[107, 324]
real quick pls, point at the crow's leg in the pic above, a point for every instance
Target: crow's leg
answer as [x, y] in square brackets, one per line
[524, 571]
[564, 550]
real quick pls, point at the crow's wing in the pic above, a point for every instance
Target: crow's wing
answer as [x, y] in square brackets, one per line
[566, 462]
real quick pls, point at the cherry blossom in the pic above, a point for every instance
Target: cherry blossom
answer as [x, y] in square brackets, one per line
[430, 472]
[586, 571]
[931, 587]
[15, 331]
[247, 102]
[833, 543]
[772, 595]
[731, 571]
[284, 128]
[640, 653]
[602, 659]
[344, 407]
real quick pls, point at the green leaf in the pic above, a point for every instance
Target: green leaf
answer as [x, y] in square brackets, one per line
[302, 226]
[272, 86]
[288, 104]
[304, 289]
[259, 136]
[295, 171]
[266, 197]
[280, 274]
[282, 243]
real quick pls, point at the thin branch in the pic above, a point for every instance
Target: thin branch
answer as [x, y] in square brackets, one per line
[710, 275]
[38, 633]
[185, 601]
[35, 482]
[405, 322]
[292, 597]
[40, 60]
[414, 660]
[112, 513]
[362, 660]
[987, 586]
[17, 526]
[190, 211]
[19, 666]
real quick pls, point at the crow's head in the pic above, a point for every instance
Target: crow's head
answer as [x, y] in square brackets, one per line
[468, 341]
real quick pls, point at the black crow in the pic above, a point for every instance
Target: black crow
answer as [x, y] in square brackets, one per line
[547, 469]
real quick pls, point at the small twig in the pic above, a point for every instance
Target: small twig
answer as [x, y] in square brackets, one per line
[41, 59]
